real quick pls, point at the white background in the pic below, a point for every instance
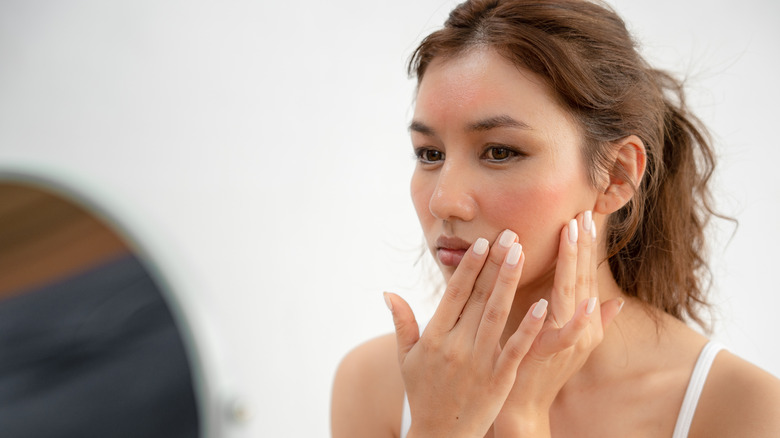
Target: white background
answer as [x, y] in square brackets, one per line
[259, 150]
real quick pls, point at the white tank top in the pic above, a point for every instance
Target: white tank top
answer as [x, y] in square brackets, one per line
[688, 408]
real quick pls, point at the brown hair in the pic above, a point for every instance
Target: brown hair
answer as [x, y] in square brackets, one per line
[655, 243]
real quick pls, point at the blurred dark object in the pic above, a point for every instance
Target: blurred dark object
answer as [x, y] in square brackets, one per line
[88, 345]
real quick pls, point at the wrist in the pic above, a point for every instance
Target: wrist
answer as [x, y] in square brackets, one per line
[529, 424]
[418, 431]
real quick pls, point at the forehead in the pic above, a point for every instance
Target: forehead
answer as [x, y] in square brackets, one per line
[480, 84]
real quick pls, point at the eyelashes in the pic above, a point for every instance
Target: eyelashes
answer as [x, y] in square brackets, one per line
[501, 153]
[491, 153]
[428, 155]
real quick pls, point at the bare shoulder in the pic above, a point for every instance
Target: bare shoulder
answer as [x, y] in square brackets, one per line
[738, 399]
[368, 391]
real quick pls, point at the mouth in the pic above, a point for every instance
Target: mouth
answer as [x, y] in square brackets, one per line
[450, 250]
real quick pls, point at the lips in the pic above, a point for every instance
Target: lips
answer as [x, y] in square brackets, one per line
[450, 250]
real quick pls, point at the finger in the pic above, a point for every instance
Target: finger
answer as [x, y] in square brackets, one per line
[594, 264]
[569, 334]
[486, 281]
[407, 332]
[584, 277]
[562, 303]
[459, 288]
[499, 305]
[520, 342]
[609, 310]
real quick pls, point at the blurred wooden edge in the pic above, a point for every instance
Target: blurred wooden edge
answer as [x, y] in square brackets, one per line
[45, 238]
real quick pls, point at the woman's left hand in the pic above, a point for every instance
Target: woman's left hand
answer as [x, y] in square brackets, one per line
[574, 327]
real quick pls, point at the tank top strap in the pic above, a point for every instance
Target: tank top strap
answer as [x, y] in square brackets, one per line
[406, 418]
[695, 386]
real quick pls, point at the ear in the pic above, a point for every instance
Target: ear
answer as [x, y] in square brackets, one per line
[627, 170]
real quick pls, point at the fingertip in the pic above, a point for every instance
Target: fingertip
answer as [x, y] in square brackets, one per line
[388, 301]
[591, 306]
[573, 231]
[540, 308]
[610, 309]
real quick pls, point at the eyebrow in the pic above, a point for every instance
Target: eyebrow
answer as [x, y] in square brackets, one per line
[422, 128]
[501, 121]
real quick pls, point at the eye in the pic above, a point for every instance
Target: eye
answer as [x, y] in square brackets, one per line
[429, 156]
[500, 153]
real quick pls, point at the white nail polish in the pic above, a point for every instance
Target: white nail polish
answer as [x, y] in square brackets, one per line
[593, 233]
[480, 246]
[514, 254]
[591, 305]
[388, 302]
[587, 220]
[507, 238]
[539, 309]
[573, 231]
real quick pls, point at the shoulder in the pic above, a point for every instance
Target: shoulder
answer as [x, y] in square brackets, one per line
[368, 391]
[738, 399]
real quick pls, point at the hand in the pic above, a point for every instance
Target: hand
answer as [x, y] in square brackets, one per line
[574, 327]
[457, 376]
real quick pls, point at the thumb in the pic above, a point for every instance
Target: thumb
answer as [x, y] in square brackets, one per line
[407, 332]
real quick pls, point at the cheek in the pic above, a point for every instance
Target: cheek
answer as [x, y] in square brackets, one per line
[421, 192]
[537, 213]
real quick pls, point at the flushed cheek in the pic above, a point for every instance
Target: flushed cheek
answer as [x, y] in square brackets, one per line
[537, 214]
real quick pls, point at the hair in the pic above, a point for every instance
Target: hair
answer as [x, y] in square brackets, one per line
[582, 49]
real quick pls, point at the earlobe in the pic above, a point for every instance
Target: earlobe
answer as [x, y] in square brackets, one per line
[627, 170]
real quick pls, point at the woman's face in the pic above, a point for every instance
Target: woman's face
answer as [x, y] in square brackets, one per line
[495, 152]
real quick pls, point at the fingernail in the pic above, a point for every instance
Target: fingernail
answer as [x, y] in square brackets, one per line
[507, 238]
[573, 231]
[587, 220]
[539, 309]
[387, 301]
[514, 254]
[593, 233]
[591, 305]
[480, 246]
[622, 302]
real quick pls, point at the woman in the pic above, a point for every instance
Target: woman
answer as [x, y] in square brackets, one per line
[562, 189]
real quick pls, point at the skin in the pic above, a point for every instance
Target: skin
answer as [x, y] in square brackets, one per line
[498, 153]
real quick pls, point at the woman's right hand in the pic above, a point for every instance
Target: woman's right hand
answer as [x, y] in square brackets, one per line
[456, 374]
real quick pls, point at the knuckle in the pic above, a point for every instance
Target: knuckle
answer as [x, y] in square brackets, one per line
[495, 260]
[451, 354]
[506, 279]
[480, 294]
[515, 352]
[453, 293]
[583, 278]
[566, 290]
[495, 314]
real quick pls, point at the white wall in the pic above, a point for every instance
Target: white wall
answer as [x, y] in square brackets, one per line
[260, 148]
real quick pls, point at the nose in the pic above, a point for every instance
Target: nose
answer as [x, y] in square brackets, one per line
[453, 197]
